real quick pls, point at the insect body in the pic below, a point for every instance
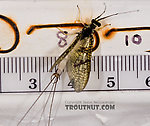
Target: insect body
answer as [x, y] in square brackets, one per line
[77, 57]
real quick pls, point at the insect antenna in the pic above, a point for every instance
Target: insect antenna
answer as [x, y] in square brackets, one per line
[79, 12]
[116, 14]
[54, 78]
[102, 12]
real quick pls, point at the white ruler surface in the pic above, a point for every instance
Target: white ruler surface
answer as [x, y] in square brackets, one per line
[108, 73]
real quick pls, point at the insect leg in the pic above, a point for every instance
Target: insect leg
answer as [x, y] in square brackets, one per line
[96, 37]
[65, 25]
[96, 43]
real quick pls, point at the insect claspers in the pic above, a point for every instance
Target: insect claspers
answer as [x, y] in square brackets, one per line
[77, 57]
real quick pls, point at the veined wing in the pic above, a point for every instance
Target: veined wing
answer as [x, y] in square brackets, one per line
[64, 54]
[79, 63]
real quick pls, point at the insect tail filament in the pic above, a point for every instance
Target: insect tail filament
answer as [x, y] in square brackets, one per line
[54, 80]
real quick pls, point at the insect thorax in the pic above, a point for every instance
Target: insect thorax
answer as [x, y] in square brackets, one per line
[89, 29]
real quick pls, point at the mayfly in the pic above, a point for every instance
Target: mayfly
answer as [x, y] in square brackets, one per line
[77, 57]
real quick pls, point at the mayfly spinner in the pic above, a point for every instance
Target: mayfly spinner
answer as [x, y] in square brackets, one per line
[77, 57]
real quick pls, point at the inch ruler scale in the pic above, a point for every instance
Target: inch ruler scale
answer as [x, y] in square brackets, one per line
[108, 73]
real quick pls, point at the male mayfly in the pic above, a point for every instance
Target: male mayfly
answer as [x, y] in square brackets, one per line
[77, 57]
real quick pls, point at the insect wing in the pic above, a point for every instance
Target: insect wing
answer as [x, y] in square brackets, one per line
[65, 53]
[79, 64]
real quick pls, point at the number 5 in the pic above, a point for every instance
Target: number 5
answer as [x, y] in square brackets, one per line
[110, 82]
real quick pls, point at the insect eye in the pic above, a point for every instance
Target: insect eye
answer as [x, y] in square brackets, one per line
[96, 22]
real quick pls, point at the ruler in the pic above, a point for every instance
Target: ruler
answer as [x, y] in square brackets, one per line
[108, 73]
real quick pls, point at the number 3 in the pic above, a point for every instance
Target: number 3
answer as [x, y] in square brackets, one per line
[33, 82]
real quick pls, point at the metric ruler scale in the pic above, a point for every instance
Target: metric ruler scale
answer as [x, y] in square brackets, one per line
[108, 73]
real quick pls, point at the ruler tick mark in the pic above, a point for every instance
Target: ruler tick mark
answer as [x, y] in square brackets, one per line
[19, 68]
[51, 62]
[118, 73]
[55, 66]
[98, 66]
[43, 64]
[16, 65]
[23, 64]
[35, 65]
[8, 64]
[39, 74]
[129, 64]
[148, 62]
[47, 63]
[4, 64]
[12, 65]
[137, 68]
[141, 63]
[105, 63]
[27, 64]
[133, 63]
[113, 63]
[102, 65]
[31, 64]
[144, 62]
[121, 63]
[109, 63]
[125, 60]
[94, 62]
